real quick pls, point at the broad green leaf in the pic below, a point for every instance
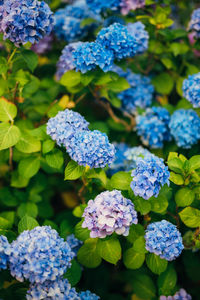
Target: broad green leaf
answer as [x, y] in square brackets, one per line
[55, 159]
[176, 178]
[73, 171]
[139, 245]
[156, 264]
[30, 58]
[121, 181]
[29, 209]
[110, 250]
[27, 223]
[118, 85]
[9, 135]
[97, 174]
[135, 232]
[194, 162]
[8, 110]
[163, 83]
[184, 197]
[47, 146]
[88, 255]
[18, 181]
[3, 65]
[73, 273]
[9, 216]
[132, 259]
[167, 281]
[143, 206]
[144, 287]
[176, 165]
[159, 204]
[28, 167]
[4, 223]
[71, 78]
[28, 144]
[81, 233]
[190, 217]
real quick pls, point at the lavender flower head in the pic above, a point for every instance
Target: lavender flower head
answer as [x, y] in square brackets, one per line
[39, 255]
[194, 24]
[87, 295]
[153, 127]
[74, 243]
[4, 252]
[60, 289]
[109, 212]
[64, 125]
[127, 5]
[91, 148]
[132, 155]
[119, 162]
[148, 176]
[98, 6]
[185, 127]
[191, 89]
[180, 295]
[26, 21]
[87, 56]
[164, 239]
[43, 45]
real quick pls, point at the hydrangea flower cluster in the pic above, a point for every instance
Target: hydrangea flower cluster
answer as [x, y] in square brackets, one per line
[153, 127]
[91, 148]
[180, 295]
[59, 289]
[98, 6]
[118, 163]
[133, 154]
[74, 243]
[194, 24]
[148, 176]
[43, 45]
[64, 125]
[191, 89]
[39, 255]
[4, 252]
[26, 21]
[185, 127]
[109, 212]
[140, 35]
[164, 239]
[127, 5]
[87, 295]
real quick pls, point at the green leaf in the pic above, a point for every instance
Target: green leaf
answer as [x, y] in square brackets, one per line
[110, 250]
[135, 232]
[144, 287]
[88, 255]
[159, 204]
[9, 216]
[30, 58]
[29, 209]
[184, 197]
[156, 264]
[73, 274]
[176, 165]
[139, 245]
[71, 78]
[97, 174]
[167, 281]
[8, 110]
[190, 217]
[18, 181]
[172, 155]
[27, 223]
[163, 83]
[194, 162]
[73, 171]
[4, 223]
[118, 85]
[28, 167]
[3, 65]
[143, 206]
[80, 232]
[121, 181]
[178, 48]
[55, 159]
[28, 144]
[132, 259]
[47, 146]
[176, 178]
[9, 135]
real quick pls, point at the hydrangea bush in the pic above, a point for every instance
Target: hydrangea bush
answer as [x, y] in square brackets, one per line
[99, 149]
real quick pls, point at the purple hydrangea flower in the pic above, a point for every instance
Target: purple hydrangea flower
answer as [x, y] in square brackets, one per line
[4, 252]
[74, 243]
[191, 89]
[127, 5]
[91, 148]
[87, 295]
[64, 125]
[180, 295]
[194, 24]
[109, 212]
[39, 255]
[148, 176]
[44, 45]
[59, 289]
[98, 6]
[87, 56]
[164, 239]
[185, 127]
[26, 21]
[132, 155]
[153, 127]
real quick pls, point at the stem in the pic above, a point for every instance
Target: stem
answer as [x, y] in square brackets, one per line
[11, 56]
[79, 99]
[10, 158]
[80, 192]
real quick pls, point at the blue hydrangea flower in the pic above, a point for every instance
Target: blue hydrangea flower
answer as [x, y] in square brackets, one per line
[59, 289]
[140, 36]
[4, 252]
[91, 148]
[148, 176]
[185, 127]
[194, 24]
[98, 6]
[87, 295]
[39, 255]
[74, 243]
[66, 60]
[109, 212]
[191, 89]
[26, 21]
[127, 5]
[113, 19]
[132, 155]
[44, 45]
[64, 125]
[153, 127]
[87, 56]
[119, 162]
[164, 239]
[180, 295]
